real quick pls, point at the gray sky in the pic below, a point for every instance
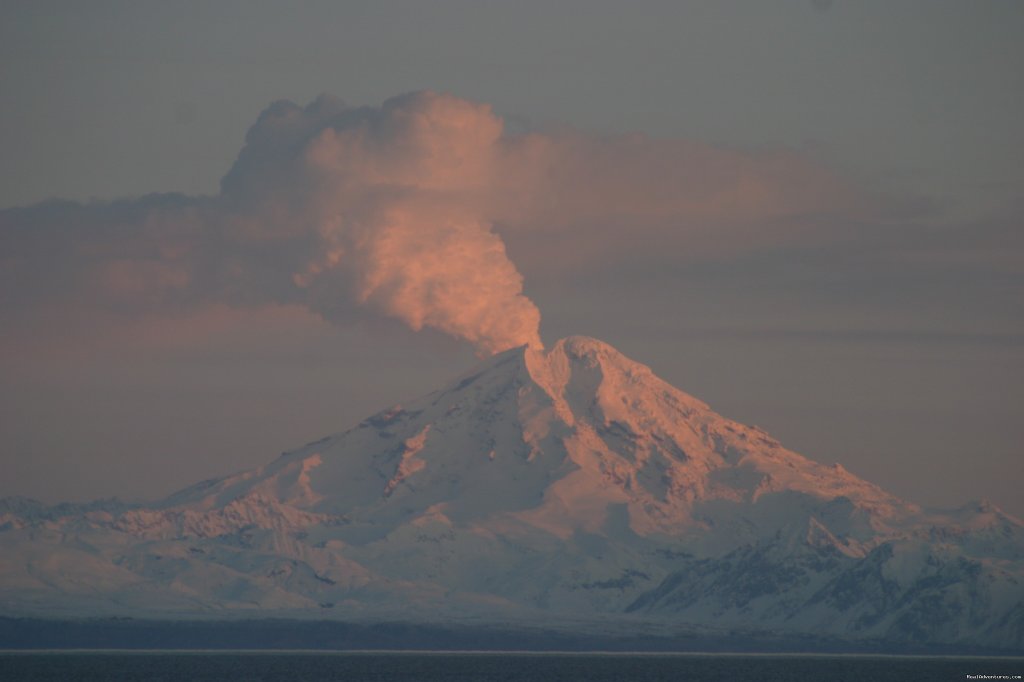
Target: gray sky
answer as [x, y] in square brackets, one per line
[873, 317]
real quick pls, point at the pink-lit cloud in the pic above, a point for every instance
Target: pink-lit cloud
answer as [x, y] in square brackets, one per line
[404, 211]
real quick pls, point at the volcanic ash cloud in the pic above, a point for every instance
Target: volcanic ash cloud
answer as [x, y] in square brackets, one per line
[391, 211]
[378, 198]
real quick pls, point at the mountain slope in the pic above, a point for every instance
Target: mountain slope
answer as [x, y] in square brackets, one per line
[571, 483]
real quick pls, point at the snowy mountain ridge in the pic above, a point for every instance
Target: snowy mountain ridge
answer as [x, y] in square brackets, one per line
[569, 483]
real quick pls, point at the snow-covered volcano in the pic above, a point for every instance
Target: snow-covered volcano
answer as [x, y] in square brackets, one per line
[567, 484]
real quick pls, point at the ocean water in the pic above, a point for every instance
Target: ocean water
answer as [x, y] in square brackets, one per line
[153, 666]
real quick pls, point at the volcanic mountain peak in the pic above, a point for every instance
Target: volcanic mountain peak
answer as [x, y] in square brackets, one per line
[564, 440]
[570, 481]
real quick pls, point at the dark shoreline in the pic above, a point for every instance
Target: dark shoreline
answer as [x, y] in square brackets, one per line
[126, 634]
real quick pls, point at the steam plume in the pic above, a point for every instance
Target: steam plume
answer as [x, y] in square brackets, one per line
[394, 211]
[346, 211]
[379, 196]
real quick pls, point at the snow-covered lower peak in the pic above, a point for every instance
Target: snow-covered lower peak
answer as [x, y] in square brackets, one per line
[571, 480]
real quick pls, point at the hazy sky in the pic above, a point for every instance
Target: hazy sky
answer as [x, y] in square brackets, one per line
[808, 214]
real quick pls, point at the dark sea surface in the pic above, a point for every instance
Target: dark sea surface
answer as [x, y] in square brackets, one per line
[497, 667]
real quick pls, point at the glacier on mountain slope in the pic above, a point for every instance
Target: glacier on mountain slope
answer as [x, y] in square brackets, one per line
[569, 483]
